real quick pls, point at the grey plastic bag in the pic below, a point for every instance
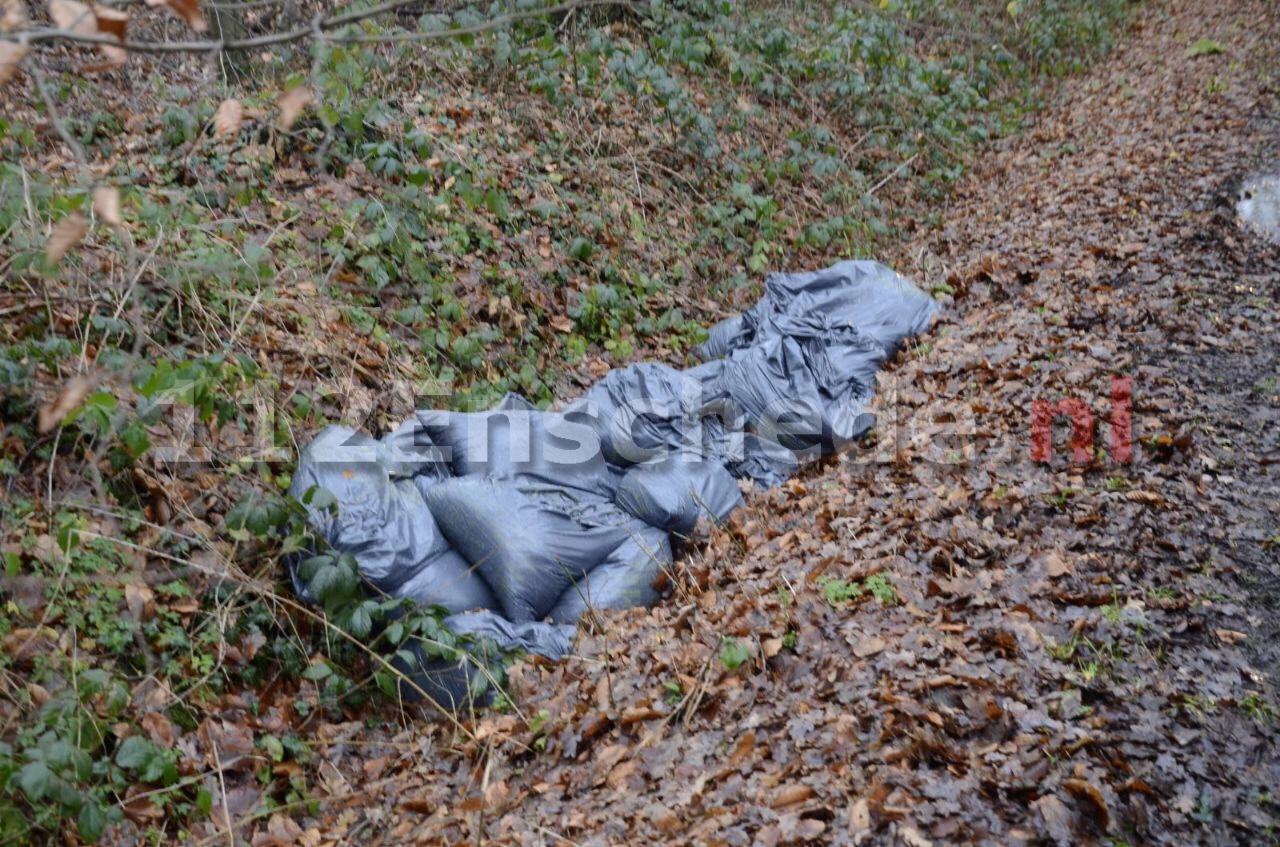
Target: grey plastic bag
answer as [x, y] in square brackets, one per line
[674, 493]
[624, 580]
[529, 543]
[384, 523]
[468, 682]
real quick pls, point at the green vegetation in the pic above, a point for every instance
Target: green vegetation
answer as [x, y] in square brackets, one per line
[734, 654]
[841, 592]
[494, 213]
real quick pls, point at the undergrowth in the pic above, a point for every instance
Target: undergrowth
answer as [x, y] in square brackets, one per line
[506, 212]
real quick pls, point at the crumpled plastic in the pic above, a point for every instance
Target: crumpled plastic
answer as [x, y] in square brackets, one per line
[517, 521]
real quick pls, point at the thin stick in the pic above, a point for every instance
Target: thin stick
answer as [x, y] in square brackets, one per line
[299, 33]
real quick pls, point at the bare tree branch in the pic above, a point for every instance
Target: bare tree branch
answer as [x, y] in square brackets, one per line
[33, 36]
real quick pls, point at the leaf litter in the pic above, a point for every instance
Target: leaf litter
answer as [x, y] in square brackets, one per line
[1071, 652]
[1078, 651]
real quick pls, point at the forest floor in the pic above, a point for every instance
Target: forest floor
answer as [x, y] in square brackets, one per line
[1069, 653]
[929, 640]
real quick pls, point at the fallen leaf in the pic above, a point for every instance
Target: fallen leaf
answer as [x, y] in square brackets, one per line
[67, 401]
[140, 808]
[11, 55]
[82, 19]
[159, 729]
[24, 644]
[188, 10]
[13, 15]
[67, 233]
[233, 807]
[790, 795]
[1230, 636]
[141, 601]
[226, 121]
[1055, 565]
[1057, 818]
[111, 22]
[912, 837]
[73, 16]
[859, 819]
[868, 645]
[291, 104]
[1091, 793]
[106, 204]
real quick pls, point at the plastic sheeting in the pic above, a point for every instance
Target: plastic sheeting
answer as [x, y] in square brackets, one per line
[517, 521]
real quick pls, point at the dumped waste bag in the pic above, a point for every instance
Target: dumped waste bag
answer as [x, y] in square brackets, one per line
[673, 493]
[517, 521]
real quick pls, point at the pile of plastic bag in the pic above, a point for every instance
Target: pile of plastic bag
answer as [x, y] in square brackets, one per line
[517, 520]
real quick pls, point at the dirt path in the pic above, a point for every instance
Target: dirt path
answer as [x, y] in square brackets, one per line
[1070, 653]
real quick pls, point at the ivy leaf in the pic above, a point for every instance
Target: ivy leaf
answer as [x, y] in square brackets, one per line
[36, 780]
[91, 821]
[317, 672]
[135, 751]
[361, 621]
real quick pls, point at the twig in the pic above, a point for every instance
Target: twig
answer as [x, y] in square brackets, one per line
[33, 36]
[55, 118]
[895, 172]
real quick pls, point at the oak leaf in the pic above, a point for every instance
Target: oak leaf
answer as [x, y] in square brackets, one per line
[13, 15]
[11, 54]
[81, 19]
[67, 233]
[106, 204]
[291, 104]
[226, 121]
[73, 16]
[188, 10]
[67, 401]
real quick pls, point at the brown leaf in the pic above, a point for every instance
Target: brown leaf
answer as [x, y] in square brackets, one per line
[234, 806]
[1057, 818]
[82, 19]
[13, 15]
[1055, 565]
[141, 601]
[11, 55]
[66, 234]
[67, 401]
[1229, 636]
[790, 795]
[859, 819]
[291, 104]
[912, 838]
[106, 204]
[188, 10]
[159, 729]
[868, 645]
[140, 808]
[1092, 794]
[226, 121]
[226, 745]
[73, 16]
[111, 22]
[24, 644]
